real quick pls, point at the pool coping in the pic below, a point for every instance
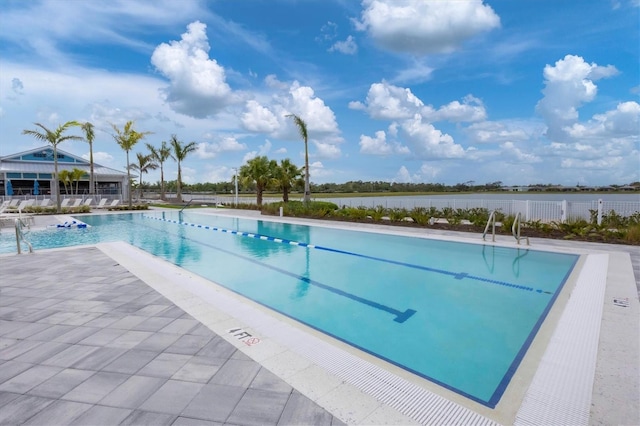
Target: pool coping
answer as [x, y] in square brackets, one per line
[353, 405]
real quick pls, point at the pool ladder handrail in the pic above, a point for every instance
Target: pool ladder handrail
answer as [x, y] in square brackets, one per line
[20, 235]
[491, 221]
[516, 227]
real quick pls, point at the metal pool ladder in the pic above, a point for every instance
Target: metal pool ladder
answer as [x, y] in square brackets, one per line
[515, 229]
[20, 236]
[491, 222]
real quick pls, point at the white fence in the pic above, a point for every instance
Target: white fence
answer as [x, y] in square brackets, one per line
[530, 210]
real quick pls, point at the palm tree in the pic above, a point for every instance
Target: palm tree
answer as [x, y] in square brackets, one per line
[54, 137]
[127, 138]
[180, 152]
[302, 129]
[74, 176]
[65, 177]
[145, 163]
[286, 177]
[259, 171]
[160, 155]
[89, 135]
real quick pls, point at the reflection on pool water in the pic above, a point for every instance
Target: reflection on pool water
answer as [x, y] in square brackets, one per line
[459, 315]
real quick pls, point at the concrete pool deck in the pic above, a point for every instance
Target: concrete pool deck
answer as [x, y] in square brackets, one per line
[614, 397]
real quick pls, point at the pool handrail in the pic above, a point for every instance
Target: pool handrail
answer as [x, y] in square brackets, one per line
[491, 221]
[20, 235]
[515, 228]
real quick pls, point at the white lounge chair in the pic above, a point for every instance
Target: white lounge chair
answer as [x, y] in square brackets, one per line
[23, 204]
[4, 205]
[114, 203]
[14, 202]
[65, 202]
[45, 202]
[87, 202]
[102, 203]
[76, 203]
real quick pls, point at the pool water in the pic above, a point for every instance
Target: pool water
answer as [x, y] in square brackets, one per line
[459, 315]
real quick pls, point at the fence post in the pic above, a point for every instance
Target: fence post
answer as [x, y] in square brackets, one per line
[600, 207]
[527, 212]
[563, 212]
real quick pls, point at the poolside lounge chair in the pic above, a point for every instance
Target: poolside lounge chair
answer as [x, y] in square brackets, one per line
[14, 202]
[4, 205]
[23, 204]
[76, 203]
[114, 203]
[102, 203]
[65, 202]
[45, 202]
[87, 202]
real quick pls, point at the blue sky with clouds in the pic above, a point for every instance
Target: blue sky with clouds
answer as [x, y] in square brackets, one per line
[527, 91]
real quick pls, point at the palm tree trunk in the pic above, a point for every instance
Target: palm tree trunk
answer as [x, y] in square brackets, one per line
[129, 181]
[161, 182]
[92, 183]
[55, 178]
[179, 184]
[285, 194]
[259, 190]
[307, 190]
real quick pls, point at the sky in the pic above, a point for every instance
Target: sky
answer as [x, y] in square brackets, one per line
[522, 92]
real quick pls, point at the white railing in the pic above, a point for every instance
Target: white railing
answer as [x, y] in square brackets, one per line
[530, 210]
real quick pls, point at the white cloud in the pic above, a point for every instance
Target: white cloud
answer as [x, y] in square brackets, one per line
[318, 171]
[429, 172]
[471, 109]
[378, 145]
[326, 150]
[388, 102]
[198, 84]
[624, 121]
[511, 152]
[375, 146]
[422, 27]
[502, 131]
[318, 116]
[259, 119]
[418, 72]
[610, 163]
[403, 176]
[280, 151]
[568, 85]
[99, 157]
[208, 150]
[263, 149]
[348, 46]
[429, 142]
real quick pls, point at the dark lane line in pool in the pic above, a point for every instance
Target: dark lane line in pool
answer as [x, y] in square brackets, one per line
[456, 275]
[400, 316]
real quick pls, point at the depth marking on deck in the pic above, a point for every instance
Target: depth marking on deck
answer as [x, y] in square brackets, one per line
[456, 275]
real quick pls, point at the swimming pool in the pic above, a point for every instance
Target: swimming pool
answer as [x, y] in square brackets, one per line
[459, 315]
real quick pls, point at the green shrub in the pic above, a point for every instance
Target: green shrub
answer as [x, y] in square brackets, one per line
[398, 214]
[377, 213]
[420, 215]
[299, 209]
[353, 213]
[507, 223]
[632, 234]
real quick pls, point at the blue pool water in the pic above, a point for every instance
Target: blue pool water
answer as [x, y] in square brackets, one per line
[459, 315]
